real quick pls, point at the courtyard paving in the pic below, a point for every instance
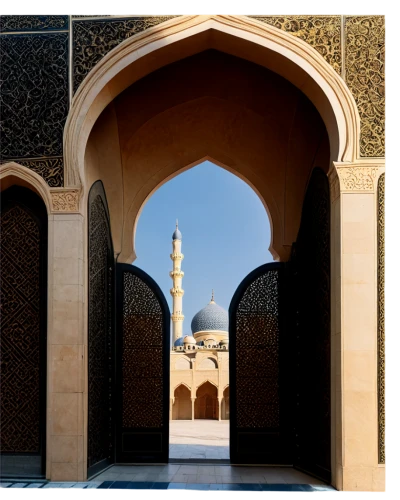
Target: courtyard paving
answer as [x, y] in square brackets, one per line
[199, 439]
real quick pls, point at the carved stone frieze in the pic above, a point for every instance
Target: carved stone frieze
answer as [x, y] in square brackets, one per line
[322, 32]
[93, 39]
[355, 178]
[65, 200]
[365, 77]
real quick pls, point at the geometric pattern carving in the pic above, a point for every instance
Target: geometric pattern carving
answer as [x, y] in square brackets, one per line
[34, 96]
[357, 178]
[381, 319]
[142, 355]
[20, 331]
[365, 77]
[311, 336]
[93, 39]
[50, 169]
[33, 23]
[321, 32]
[99, 334]
[258, 353]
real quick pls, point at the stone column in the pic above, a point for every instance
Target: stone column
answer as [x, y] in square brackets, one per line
[354, 326]
[193, 400]
[219, 408]
[67, 349]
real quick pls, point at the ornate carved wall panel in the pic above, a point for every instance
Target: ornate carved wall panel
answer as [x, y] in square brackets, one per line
[381, 318]
[34, 100]
[23, 227]
[93, 39]
[143, 367]
[310, 293]
[33, 23]
[322, 32]
[365, 76]
[100, 331]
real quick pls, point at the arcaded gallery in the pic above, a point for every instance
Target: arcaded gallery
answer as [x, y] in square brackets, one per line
[97, 113]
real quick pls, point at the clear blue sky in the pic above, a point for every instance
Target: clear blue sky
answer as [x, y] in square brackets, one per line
[225, 235]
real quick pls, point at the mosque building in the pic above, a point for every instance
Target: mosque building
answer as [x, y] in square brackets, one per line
[199, 379]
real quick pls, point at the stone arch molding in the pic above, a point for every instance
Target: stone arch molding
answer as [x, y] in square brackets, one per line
[290, 56]
[57, 200]
[184, 385]
[204, 382]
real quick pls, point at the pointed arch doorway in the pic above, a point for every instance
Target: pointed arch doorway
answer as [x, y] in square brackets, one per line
[344, 149]
[206, 404]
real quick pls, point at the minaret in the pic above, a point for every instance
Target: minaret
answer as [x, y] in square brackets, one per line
[176, 291]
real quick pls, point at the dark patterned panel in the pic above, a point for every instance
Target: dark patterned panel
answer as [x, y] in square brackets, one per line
[311, 331]
[381, 318]
[257, 330]
[20, 332]
[100, 333]
[33, 23]
[142, 355]
[34, 96]
[51, 169]
[93, 39]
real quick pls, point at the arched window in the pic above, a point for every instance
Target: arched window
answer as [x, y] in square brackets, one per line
[208, 364]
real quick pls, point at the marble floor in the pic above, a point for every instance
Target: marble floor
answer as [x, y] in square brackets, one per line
[199, 439]
[208, 474]
[191, 440]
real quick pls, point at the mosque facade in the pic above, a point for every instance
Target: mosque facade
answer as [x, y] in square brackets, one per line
[199, 380]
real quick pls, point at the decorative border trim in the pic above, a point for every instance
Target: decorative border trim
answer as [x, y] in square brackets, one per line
[64, 200]
[381, 318]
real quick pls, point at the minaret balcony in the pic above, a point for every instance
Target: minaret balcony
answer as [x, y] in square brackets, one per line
[177, 274]
[177, 292]
[177, 317]
[176, 256]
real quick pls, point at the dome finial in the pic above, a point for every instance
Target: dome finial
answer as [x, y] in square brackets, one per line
[212, 295]
[177, 234]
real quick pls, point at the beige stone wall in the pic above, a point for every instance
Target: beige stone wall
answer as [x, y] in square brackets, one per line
[192, 369]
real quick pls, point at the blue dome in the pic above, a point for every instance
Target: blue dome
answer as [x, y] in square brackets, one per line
[177, 235]
[211, 317]
[178, 342]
